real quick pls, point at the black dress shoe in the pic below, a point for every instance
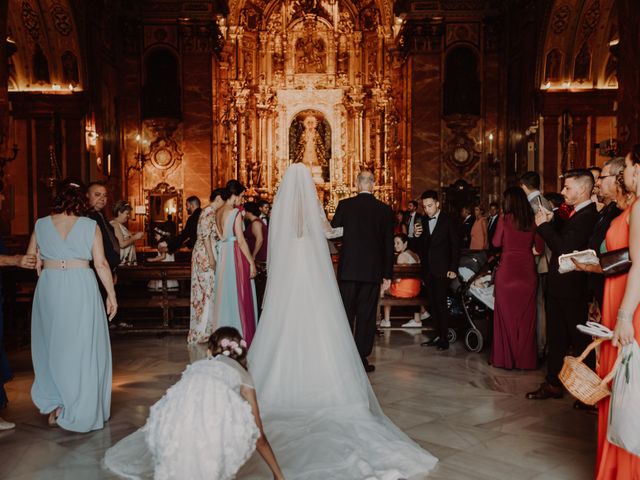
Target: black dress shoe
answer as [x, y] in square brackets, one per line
[578, 405]
[544, 391]
[369, 368]
[431, 343]
[443, 346]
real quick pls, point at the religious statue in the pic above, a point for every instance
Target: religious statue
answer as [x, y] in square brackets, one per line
[309, 147]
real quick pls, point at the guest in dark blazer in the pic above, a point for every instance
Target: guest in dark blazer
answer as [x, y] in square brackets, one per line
[366, 260]
[97, 198]
[189, 233]
[607, 192]
[494, 213]
[412, 218]
[465, 227]
[440, 255]
[567, 294]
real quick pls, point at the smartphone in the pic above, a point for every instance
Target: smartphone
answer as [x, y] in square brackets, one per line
[540, 206]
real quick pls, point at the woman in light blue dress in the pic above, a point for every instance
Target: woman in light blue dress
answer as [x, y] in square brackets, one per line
[69, 334]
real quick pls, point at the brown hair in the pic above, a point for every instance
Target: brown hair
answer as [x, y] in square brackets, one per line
[70, 198]
[231, 334]
[518, 207]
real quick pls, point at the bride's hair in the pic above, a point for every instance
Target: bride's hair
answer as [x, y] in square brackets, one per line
[227, 341]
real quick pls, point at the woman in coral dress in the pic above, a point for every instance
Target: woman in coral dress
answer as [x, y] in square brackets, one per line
[620, 311]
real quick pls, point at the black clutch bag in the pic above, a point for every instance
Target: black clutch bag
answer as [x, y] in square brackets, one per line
[615, 262]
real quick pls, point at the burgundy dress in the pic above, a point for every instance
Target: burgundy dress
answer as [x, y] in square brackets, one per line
[516, 282]
[261, 255]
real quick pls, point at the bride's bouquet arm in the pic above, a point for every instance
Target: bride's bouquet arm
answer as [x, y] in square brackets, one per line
[331, 230]
[262, 445]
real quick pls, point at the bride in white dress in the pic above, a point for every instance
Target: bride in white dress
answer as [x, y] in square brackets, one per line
[319, 410]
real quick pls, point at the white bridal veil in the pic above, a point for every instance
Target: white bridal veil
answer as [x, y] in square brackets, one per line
[319, 410]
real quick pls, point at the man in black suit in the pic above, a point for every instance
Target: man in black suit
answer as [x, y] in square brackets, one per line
[566, 296]
[494, 212]
[97, 197]
[412, 219]
[189, 233]
[439, 254]
[606, 192]
[465, 227]
[366, 260]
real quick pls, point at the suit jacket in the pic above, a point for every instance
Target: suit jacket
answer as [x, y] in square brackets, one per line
[542, 262]
[367, 241]
[574, 235]
[413, 241]
[440, 250]
[109, 240]
[491, 229]
[465, 231]
[188, 234]
[606, 216]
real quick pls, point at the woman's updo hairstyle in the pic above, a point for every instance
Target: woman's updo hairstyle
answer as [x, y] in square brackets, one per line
[70, 198]
[227, 341]
[218, 192]
[121, 206]
[234, 187]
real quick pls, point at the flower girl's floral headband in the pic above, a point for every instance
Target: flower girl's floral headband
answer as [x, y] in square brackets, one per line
[229, 345]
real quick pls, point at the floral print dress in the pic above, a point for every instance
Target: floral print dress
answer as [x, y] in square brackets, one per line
[203, 279]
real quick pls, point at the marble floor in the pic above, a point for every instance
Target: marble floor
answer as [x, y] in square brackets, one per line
[473, 417]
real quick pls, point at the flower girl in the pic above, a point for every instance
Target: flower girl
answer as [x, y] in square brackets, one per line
[206, 426]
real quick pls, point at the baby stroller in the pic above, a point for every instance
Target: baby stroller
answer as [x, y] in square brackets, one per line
[470, 302]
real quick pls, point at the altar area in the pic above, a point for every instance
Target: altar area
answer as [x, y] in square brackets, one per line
[292, 80]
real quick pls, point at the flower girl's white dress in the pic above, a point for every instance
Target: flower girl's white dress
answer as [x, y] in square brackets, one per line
[201, 429]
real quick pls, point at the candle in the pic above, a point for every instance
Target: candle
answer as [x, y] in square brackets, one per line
[491, 143]
[610, 131]
[109, 165]
[515, 162]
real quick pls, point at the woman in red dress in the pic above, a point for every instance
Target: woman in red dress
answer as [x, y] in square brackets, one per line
[516, 283]
[620, 312]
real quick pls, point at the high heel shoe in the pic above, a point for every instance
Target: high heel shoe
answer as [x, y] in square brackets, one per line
[53, 418]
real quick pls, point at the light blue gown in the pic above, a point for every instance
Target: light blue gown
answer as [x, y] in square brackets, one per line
[69, 334]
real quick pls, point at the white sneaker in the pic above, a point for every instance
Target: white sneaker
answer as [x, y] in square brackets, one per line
[412, 324]
[4, 425]
[424, 315]
[385, 324]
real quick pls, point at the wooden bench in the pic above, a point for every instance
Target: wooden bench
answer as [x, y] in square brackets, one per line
[403, 271]
[130, 297]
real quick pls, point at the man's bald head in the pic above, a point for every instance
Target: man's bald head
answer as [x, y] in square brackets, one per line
[365, 181]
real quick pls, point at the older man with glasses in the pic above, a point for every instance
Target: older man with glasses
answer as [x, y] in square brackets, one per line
[606, 189]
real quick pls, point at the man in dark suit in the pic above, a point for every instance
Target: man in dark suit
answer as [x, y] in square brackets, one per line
[494, 212]
[97, 197]
[465, 227]
[366, 260]
[606, 192]
[412, 219]
[566, 296]
[189, 233]
[439, 257]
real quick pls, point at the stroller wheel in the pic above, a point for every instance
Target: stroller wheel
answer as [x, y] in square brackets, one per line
[473, 340]
[452, 336]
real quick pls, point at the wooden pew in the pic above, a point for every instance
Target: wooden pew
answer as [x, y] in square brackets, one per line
[403, 271]
[130, 298]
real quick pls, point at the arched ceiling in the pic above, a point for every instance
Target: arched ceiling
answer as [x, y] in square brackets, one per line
[576, 45]
[48, 54]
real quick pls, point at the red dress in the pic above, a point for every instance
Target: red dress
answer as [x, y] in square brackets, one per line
[516, 283]
[613, 462]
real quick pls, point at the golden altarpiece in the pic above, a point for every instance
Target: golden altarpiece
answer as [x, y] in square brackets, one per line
[317, 81]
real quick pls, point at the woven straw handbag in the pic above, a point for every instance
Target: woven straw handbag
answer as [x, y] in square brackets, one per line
[582, 382]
